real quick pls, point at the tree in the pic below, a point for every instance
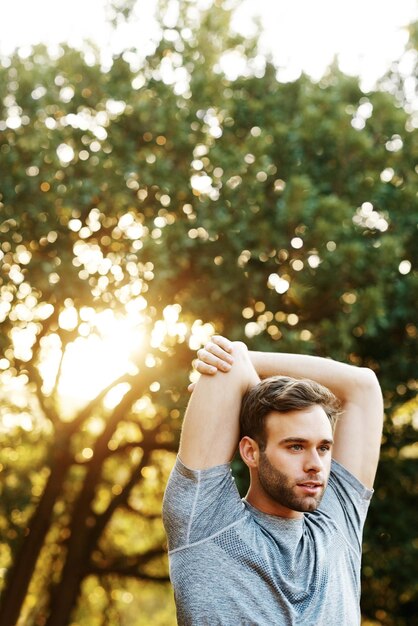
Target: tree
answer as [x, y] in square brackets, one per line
[181, 201]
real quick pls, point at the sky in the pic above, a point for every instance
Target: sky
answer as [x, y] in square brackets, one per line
[302, 35]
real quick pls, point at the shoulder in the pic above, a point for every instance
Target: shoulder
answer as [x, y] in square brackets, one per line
[345, 504]
[186, 485]
[343, 480]
[199, 503]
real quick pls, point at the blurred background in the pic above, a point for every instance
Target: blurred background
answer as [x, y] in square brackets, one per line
[170, 169]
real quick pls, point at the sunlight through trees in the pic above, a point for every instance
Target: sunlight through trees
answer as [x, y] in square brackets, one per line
[142, 208]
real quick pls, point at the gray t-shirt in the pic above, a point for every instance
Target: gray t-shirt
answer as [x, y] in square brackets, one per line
[232, 565]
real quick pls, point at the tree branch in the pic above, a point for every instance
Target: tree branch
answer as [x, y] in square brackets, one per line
[88, 409]
[147, 516]
[133, 569]
[33, 373]
[129, 573]
[126, 447]
[46, 405]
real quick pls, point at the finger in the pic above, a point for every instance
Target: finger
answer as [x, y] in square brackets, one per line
[212, 360]
[222, 342]
[191, 387]
[219, 352]
[205, 368]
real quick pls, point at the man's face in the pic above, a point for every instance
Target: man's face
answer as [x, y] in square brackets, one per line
[293, 469]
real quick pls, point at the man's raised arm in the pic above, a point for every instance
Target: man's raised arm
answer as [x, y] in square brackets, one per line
[211, 424]
[358, 432]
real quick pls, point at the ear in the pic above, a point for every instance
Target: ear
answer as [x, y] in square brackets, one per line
[249, 451]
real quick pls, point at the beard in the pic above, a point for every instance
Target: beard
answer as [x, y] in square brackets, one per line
[282, 490]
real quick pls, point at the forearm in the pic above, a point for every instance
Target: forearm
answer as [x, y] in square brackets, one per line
[211, 424]
[345, 381]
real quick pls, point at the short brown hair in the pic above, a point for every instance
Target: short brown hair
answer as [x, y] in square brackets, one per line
[283, 394]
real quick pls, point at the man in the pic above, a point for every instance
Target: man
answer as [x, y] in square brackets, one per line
[290, 552]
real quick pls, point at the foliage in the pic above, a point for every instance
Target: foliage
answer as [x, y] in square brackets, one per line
[181, 201]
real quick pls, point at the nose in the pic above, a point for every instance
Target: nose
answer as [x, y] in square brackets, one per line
[313, 462]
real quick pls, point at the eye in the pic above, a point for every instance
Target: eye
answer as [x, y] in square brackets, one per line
[325, 448]
[296, 447]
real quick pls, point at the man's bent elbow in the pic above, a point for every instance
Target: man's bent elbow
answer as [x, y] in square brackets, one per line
[369, 388]
[243, 366]
[368, 379]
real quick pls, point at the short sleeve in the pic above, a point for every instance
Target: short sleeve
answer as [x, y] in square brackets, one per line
[199, 503]
[346, 501]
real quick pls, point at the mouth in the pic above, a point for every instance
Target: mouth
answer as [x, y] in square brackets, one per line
[311, 488]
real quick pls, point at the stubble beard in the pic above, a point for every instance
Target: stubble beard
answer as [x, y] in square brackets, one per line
[278, 486]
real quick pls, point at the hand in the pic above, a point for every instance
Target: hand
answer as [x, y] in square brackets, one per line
[215, 356]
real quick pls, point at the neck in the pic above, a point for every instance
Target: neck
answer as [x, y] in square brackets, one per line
[260, 500]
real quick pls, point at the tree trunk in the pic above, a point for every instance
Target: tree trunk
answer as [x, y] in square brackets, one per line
[78, 545]
[64, 596]
[20, 574]
[83, 536]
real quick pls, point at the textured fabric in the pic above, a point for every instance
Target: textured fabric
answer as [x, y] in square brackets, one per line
[232, 565]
